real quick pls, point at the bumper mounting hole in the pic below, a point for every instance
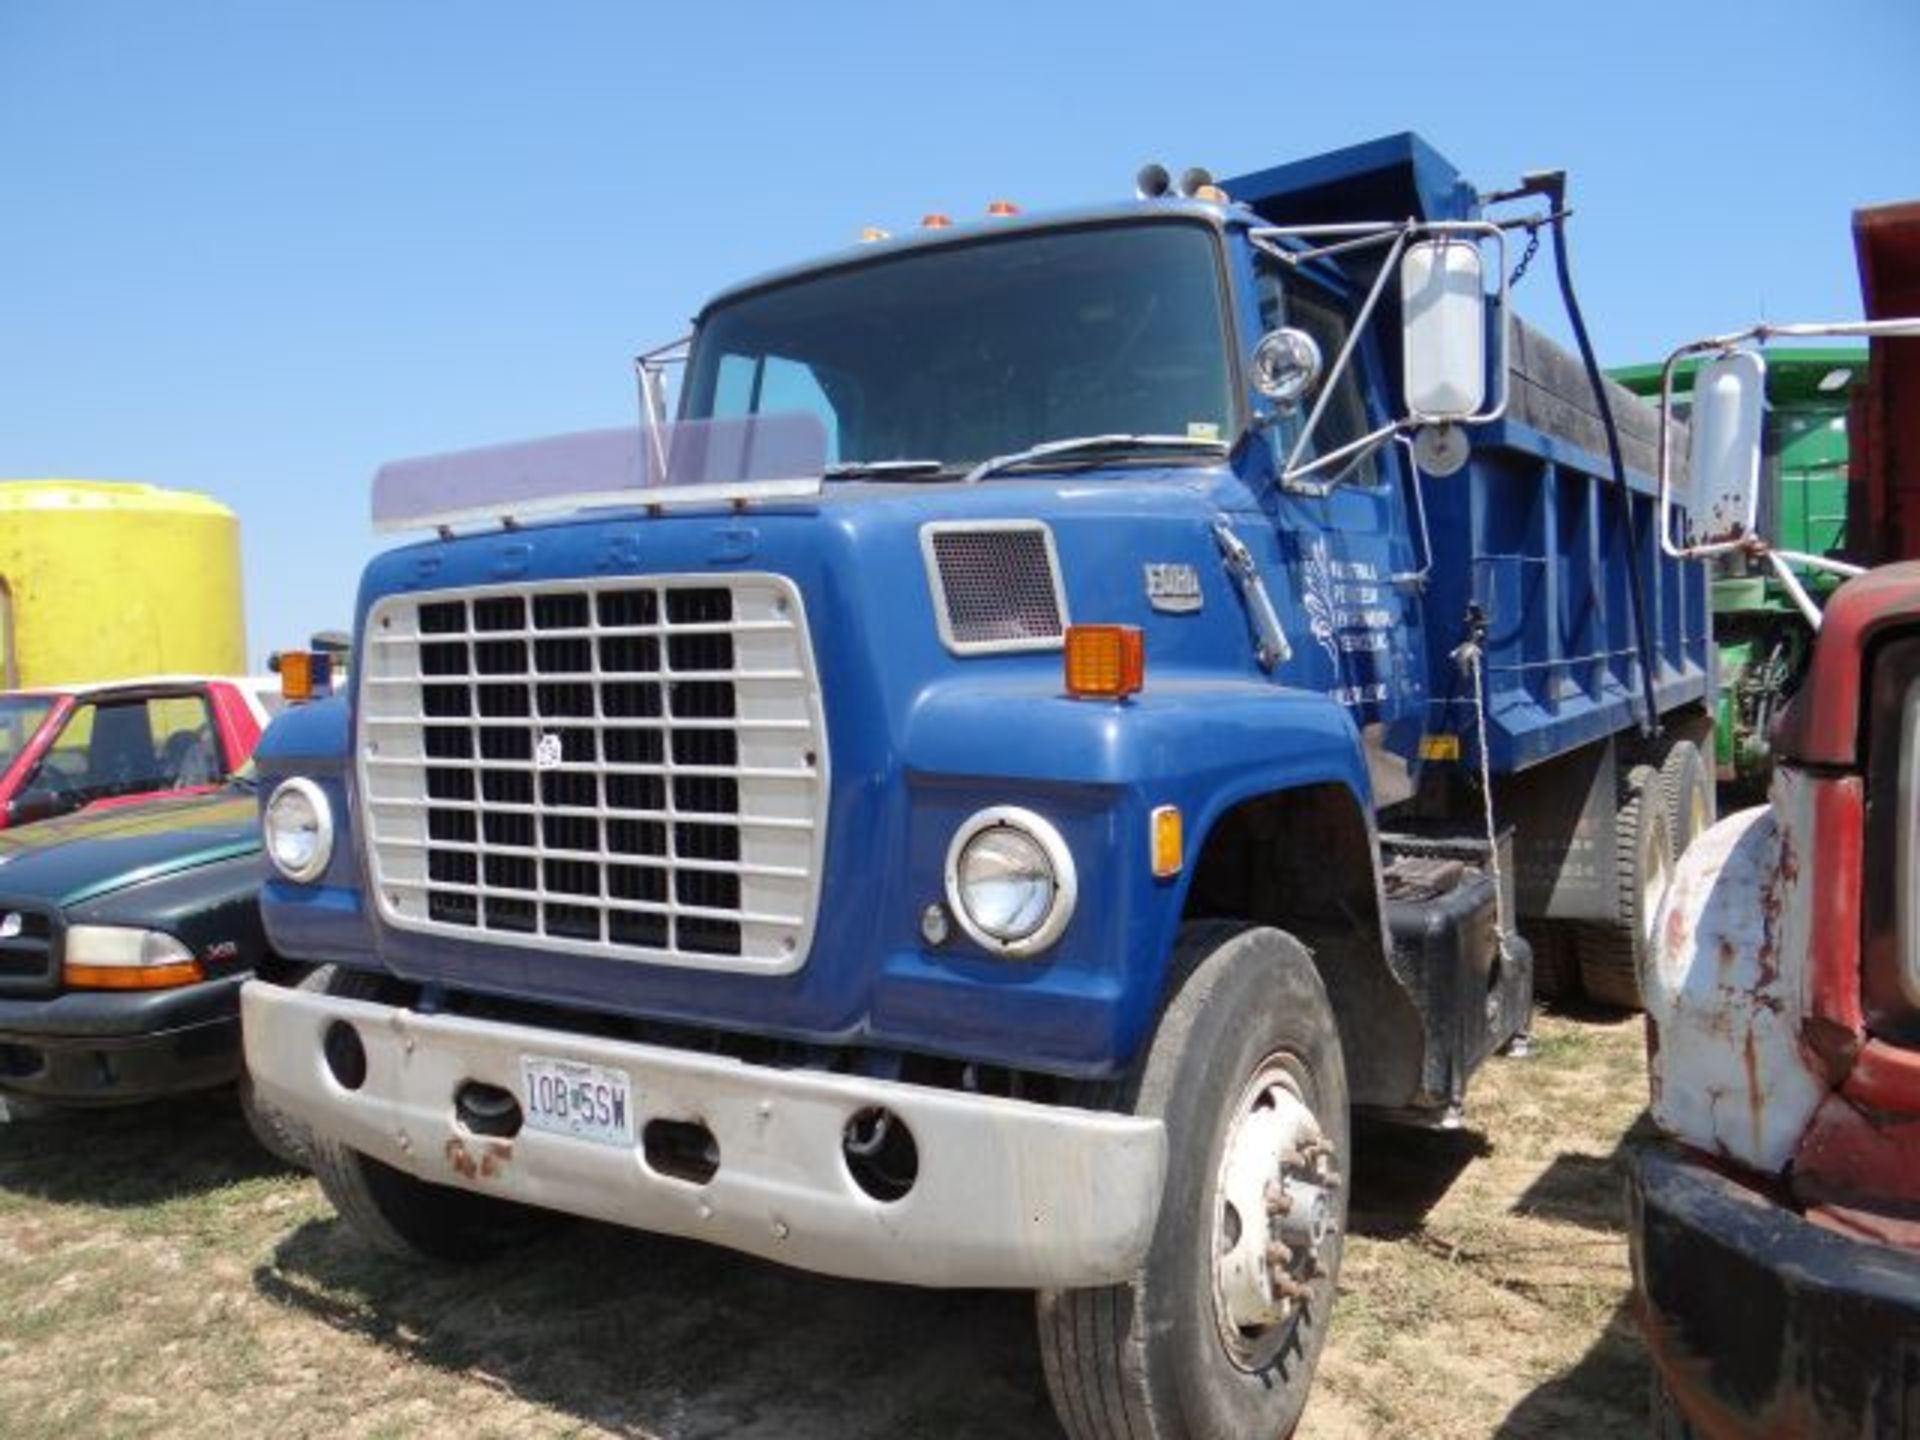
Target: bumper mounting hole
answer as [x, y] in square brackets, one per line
[346, 1056]
[880, 1153]
[681, 1150]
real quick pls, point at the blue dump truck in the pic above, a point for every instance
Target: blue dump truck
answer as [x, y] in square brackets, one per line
[1059, 712]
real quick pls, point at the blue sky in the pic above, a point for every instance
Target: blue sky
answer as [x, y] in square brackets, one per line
[257, 249]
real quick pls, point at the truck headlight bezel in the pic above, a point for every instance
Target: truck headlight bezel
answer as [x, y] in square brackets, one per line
[282, 818]
[972, 859]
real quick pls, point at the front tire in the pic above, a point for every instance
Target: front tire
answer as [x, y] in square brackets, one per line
[396, 1212]
[1219, 1331]
[278, 1133]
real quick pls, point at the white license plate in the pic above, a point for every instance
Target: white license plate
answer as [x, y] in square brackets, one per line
[588, 1102]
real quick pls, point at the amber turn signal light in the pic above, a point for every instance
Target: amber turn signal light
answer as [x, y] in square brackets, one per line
[1105, 662]
[133, 977]
[1168, 846]
[296, 675]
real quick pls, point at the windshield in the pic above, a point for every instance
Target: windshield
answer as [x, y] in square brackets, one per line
[954, 354]
[20, 717]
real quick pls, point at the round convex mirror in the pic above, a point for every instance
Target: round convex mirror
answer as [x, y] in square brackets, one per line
[1286, 365]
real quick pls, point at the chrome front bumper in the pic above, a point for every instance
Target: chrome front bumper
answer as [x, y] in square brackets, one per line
[1009, 1194]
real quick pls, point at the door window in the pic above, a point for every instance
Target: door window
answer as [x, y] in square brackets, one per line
[131, 747]
[1289, 299]
[21, 717]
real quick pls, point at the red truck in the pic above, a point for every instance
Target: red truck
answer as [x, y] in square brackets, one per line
[1775, 1226]
[70, 748]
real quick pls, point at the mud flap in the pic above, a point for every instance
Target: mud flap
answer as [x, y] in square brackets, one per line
[1472, 994]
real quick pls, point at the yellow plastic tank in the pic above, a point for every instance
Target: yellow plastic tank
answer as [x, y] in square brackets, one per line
[101, 580]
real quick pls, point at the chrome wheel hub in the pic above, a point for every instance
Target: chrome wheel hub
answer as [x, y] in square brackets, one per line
[1274, 1209]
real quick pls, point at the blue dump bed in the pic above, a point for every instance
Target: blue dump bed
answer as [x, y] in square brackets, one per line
[1533, 531]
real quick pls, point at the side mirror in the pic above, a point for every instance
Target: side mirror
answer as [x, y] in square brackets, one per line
[1286, 366]
[31, 805]
[1443, 345]
[1723, 456]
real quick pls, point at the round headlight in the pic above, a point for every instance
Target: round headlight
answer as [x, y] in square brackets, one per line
[1010, 881]
[297, 829]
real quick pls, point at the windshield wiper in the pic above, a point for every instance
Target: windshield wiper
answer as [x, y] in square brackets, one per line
[883, 469]
[1092, 445]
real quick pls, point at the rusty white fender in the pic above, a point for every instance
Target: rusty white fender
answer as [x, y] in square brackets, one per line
[1727, 986]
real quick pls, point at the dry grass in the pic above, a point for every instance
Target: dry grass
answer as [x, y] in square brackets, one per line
[1485, 1283]
[158, 1276]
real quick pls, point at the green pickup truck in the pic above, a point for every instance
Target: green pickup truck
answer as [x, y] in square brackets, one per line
[125, 935]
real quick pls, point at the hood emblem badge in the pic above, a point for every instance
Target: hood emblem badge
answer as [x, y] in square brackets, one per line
[11, 924]
[548, 752]
[1173, 588]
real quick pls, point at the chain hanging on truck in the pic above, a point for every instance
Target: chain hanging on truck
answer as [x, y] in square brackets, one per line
[1526, 255]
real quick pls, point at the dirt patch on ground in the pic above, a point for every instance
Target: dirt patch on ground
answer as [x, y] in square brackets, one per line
[159, 1276]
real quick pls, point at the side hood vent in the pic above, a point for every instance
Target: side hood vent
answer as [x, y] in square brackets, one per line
[996, 585]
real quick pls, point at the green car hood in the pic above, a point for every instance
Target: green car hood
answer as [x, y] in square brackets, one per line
[77, 857]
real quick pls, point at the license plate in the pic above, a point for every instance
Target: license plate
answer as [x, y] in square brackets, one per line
[588, 1102]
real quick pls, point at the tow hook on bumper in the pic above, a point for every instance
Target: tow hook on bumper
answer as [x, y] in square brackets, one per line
[868, 1179]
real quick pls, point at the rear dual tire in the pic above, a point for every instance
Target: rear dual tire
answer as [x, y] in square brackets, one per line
[1662, 811]
[1611, 954]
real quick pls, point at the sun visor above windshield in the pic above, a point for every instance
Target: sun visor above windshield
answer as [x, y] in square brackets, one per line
[759, 457]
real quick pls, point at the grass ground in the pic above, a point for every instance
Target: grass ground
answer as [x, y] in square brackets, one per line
[159, 1276]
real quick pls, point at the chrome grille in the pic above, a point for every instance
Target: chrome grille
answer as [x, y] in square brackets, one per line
[26, 949]
[634, 767]
[996, 585]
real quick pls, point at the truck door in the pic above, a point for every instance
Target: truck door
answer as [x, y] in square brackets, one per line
[1353, 552]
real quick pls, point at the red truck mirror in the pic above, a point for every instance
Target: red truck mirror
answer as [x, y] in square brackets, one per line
[40, 804]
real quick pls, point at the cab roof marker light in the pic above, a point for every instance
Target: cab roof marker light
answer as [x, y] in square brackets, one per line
[872, 234]
[935, 221]
[1002, 208]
